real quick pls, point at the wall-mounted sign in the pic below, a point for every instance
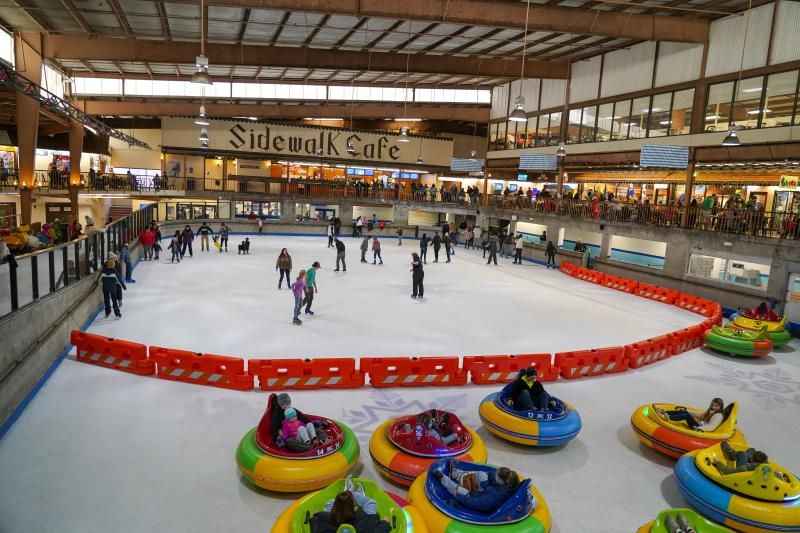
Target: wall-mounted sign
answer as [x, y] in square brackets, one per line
[274, 139]
[664, 156]
[522, 176]
[466, 165]
[538, 162]
[789, 182]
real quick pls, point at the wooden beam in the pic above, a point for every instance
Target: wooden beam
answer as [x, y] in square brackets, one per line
[121, 18]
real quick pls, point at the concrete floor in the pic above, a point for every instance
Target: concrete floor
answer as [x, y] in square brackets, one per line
[99, 450]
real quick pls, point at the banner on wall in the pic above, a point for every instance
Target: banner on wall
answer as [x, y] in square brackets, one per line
[664, 156]
[538, 162]
[284, 140]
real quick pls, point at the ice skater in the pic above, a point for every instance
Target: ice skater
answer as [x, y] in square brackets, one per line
[204, 231]
[299, 291]
[244, 246]
[364, 248]
[175, 247]
[224, 232]
[284, 264]
[423, 247]
[518, 245]
[148, 238]
[446, 241]
[186, 241]
[125, 257]
[492, 250]
[311, 286]
[550, 251]
[437, 243]
[111, 283]
[417, 277]
[340, 252]
[399, 237]
[330, 234]
[376, 251]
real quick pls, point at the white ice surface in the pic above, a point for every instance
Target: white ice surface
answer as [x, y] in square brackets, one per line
[230, 305]
[101, 451]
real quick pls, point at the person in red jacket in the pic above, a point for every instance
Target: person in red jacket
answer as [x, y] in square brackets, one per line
[148, 239]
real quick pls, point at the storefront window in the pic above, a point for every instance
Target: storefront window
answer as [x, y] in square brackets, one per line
[511, 133]
[588, 122]
[659, 123]
[639, 114]
[681, 115]
[574, 128]
[257, 209]
[746, 105]
[753, 273]
[604, 122]
[620, 120]
[554, 136]
[718, 107]
[779, 102]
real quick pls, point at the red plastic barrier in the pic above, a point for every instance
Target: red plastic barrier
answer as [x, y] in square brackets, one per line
[649, 351]
[568, 268]
[490, 369]
[593, 362]
[112, 353]
[413, 371]
[620, 284]
[688, 339]
[323, 373]
[201, 369]
[654, 292]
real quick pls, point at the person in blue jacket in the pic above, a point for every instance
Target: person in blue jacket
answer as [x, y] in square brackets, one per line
[479, 490]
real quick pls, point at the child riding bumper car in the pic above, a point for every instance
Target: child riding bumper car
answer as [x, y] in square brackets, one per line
[673, 520]
[402, 448]
[524, 413]
[292, 452]
[460, 497]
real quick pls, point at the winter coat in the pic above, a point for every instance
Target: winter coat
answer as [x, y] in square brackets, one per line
[551, 249]
[376, 245]
[205, 230]
[520, 243]
[284, 262]
[339, 247]
[364, 245]
[437, 242]
[110, 279]
[423, 242]
[188, 235]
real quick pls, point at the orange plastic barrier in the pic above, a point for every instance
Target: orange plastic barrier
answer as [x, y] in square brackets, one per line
[620, 284]
[112, 353]
[490, 369]
[649, 351]
[323, 373]
[202, 369]
[568, 268]
[592, 362]
[654, 292]
[688, 339]
[413, 371]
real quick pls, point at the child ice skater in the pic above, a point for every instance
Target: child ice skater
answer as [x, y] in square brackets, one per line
[299, 291]
[111, 281]
[175, 246]
[293, 431]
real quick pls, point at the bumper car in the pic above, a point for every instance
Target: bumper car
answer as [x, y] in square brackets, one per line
[402, 448]
[774, 324]
[738, 342]
[554, 426]
[397, 514]
[764, 499]
[275, 466]
[683, 518]
[677, 438]
[524, 511]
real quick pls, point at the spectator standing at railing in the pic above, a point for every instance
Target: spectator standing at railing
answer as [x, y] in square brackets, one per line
[204, 231]
[132, 181]
[432, 192]
[186, 241]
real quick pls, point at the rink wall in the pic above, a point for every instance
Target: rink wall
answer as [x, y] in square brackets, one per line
[327, 373]
[33, 340]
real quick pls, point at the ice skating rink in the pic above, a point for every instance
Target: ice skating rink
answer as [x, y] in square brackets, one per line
[99, 450]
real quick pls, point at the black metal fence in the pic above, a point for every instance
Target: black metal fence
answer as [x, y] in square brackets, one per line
[26, 278]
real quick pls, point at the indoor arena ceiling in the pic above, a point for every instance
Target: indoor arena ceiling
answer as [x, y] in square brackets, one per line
[465, 43]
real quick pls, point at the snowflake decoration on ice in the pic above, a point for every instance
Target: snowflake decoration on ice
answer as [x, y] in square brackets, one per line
[386, 404]
[770, 387]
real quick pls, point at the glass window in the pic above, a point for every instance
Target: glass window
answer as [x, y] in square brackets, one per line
[511, 133]
[639, 114]
[605, 120]
[750, 272]
[659, 122]
[746, 105]
[530, 133]
[501, 136]
[574, 128]
[779, 103]
[98, 86]
[718, 106]
[543, 130]
[6, 47]
[620, 120]
[554, 136]
[52, 81]
[492, 136]
[588, 121]
[681, 116]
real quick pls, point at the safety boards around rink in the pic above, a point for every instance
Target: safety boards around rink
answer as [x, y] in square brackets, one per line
[442, 371]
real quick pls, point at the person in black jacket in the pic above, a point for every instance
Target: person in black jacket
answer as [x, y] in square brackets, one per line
[551, 254]
[423, 247]
[111, 281]
[340, 255]
[351, 506]
[204, 231]
[446, 241]
[527, 392]
[417, 276]
[186, 241]
[437, 243]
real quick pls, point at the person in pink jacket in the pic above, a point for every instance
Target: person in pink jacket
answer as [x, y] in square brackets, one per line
[294, 430]
[299, 291]
[376, 251]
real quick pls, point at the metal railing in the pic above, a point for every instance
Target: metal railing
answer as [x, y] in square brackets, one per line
[26, 278]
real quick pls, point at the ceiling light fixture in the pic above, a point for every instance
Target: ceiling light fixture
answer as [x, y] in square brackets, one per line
[204, 136]
[562, 151]
[200, 75]
[519, 114]
[351, 149]
[202, 118]
[403, 138]
[732, 139]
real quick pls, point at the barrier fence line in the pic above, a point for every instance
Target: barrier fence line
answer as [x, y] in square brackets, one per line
[348, 372]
